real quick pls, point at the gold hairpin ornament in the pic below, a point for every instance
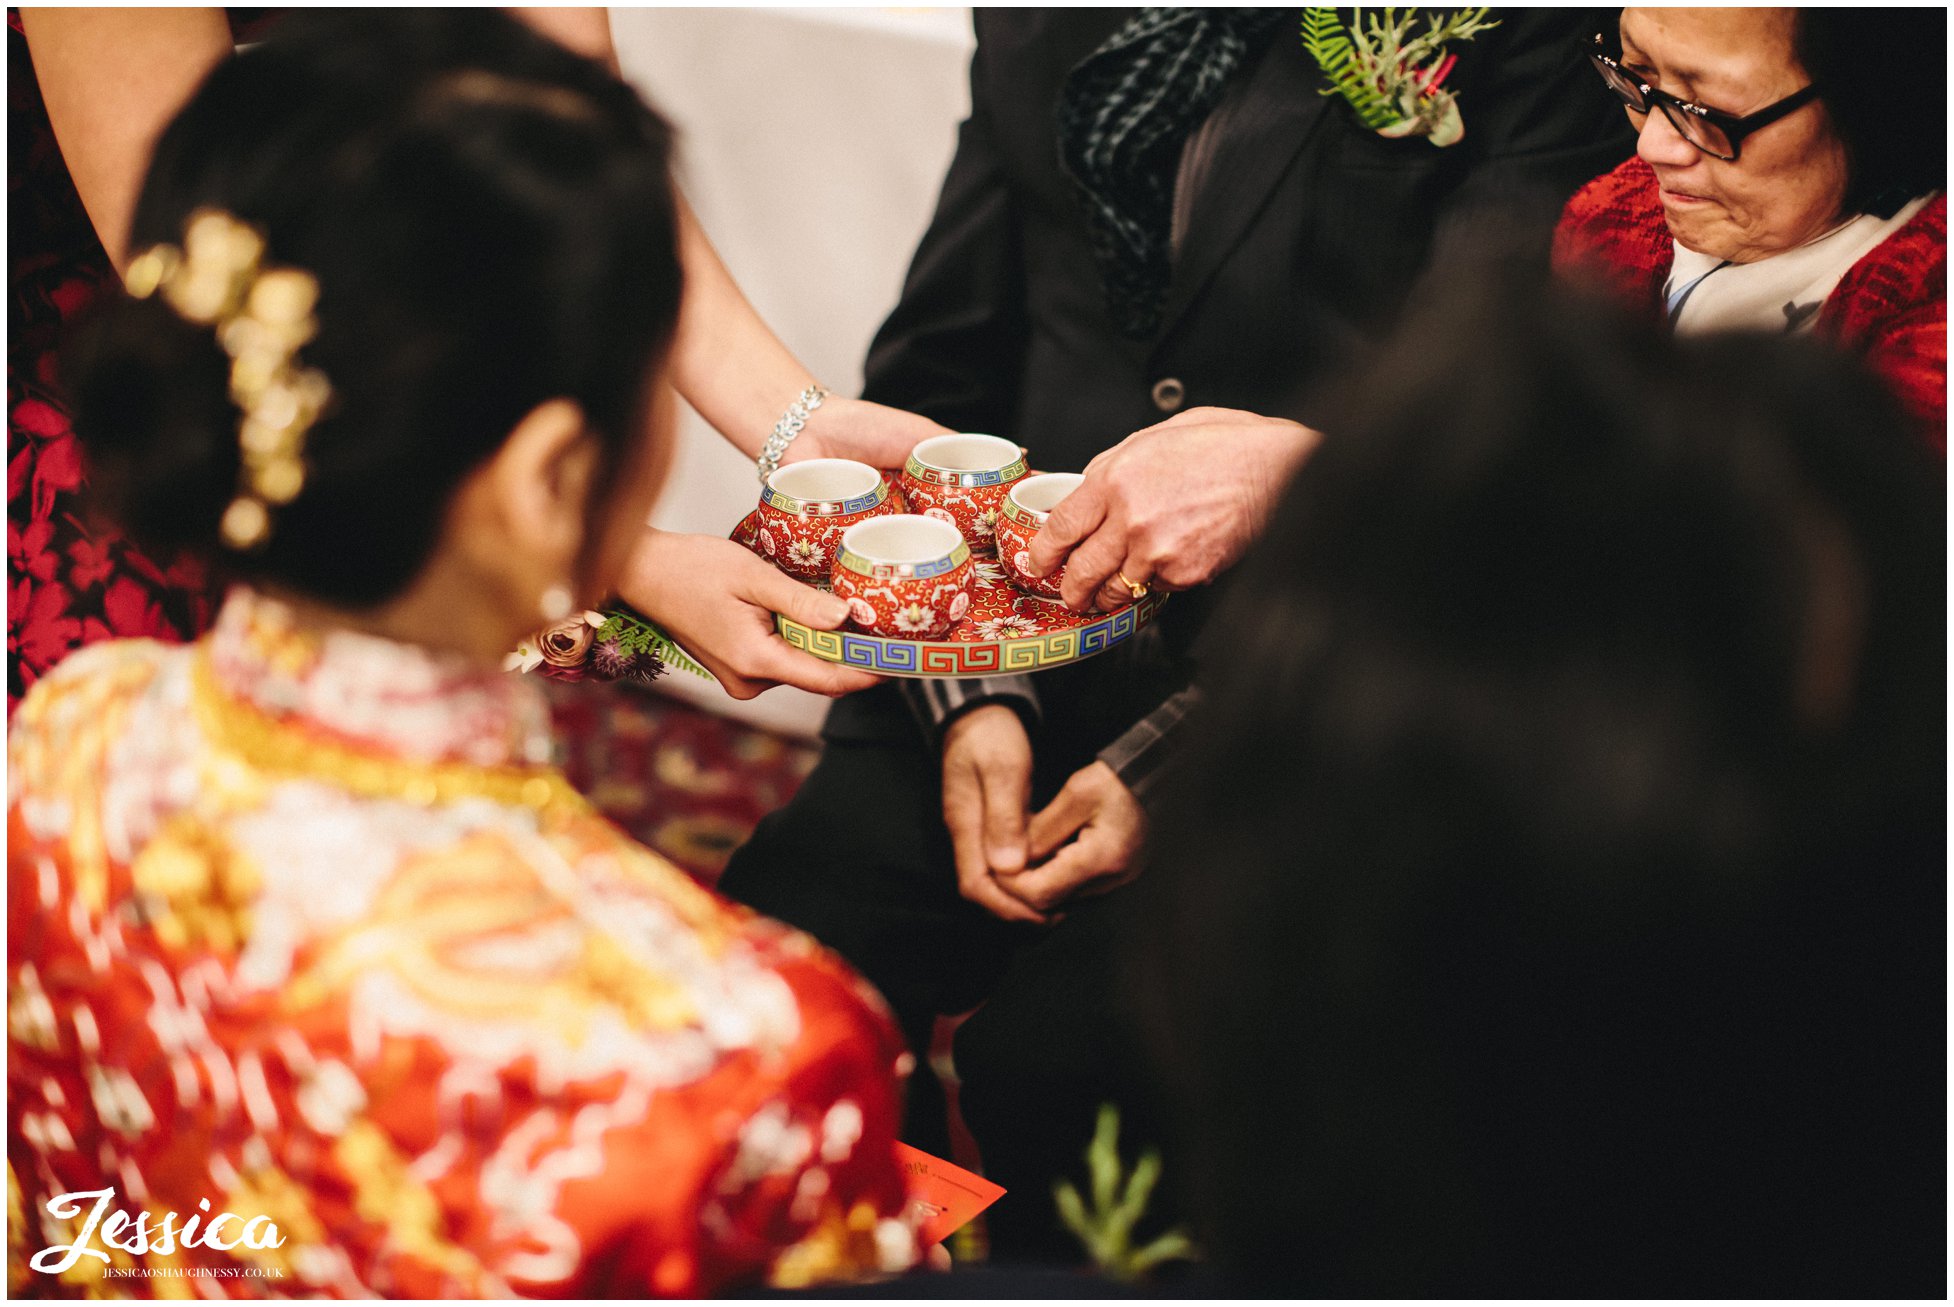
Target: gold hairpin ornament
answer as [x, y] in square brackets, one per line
[262, 316]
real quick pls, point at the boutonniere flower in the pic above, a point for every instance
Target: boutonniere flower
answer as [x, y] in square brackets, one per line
[1395, 81]
[614, 646]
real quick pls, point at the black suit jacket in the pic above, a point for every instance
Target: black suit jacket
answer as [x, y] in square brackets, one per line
[1303, 244]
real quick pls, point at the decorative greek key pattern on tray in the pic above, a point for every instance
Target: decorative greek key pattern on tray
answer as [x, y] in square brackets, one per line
[1028, 653]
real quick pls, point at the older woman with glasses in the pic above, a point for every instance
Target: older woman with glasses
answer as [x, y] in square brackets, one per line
[1788, 178]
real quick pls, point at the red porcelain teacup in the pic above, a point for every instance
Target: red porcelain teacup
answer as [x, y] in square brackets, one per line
[1026, 508]
[906, 576]
[963, 479]
[805, 507]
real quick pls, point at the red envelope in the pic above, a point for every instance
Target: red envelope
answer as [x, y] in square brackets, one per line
[942, 1197]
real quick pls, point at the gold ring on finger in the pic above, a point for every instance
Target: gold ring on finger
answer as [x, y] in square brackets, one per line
[1138, 589]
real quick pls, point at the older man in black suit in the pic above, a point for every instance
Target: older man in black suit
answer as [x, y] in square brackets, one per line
[1157, 224]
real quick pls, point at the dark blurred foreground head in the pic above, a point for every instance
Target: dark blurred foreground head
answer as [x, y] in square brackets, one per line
[1555, 902]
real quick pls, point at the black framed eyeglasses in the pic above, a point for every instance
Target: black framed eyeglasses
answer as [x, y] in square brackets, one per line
[1716, 133]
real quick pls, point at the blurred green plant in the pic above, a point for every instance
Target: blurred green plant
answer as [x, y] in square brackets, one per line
[1119, 1201]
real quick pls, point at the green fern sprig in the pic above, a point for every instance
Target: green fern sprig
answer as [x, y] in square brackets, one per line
[1330, 45]
[634, 635]
[1106, 1229]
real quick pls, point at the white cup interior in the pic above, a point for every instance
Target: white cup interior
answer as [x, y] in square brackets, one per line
[904, 538]
[966, 453]
[1042, 493]
[820, 480]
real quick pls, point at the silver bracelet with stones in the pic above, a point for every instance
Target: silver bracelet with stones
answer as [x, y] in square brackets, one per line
[787, 428]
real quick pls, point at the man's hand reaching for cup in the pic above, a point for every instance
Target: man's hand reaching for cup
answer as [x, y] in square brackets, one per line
[718, 600]
[1170, 507]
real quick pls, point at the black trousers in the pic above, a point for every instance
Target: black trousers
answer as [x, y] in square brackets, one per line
[862, 861]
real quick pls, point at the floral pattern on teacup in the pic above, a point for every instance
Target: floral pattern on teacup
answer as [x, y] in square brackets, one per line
[915, 619]
[913, 608]
[973, 510]
[803, 544]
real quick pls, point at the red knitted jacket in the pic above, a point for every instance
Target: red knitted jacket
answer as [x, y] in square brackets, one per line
[1891, 306]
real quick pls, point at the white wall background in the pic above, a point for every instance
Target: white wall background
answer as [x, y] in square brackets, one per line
[812, 145]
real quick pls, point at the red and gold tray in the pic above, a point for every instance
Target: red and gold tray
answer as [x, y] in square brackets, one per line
[1004, 631]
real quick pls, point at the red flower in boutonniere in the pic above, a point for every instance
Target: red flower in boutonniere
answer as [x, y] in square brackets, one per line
[1393, 80]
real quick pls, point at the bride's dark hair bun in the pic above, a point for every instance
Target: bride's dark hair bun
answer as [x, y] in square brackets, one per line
[149, 392]
[491, 223]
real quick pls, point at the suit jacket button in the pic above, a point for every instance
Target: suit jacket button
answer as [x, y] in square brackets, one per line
[1168, 394]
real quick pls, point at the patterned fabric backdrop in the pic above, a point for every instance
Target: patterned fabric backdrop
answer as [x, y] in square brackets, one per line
[70, 581]
[689, 784]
